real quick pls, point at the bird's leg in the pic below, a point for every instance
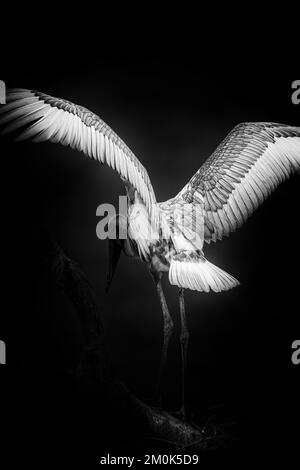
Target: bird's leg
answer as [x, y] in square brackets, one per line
[168, 328]
[184, 339]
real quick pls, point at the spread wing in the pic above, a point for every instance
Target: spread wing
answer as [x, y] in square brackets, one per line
[241, 173]
[59, 120]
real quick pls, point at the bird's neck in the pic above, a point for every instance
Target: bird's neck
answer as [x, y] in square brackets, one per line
[131, 193]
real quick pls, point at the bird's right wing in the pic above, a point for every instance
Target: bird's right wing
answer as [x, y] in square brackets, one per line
[241, 173]
[47, 118]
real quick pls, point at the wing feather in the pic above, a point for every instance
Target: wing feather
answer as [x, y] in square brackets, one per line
[48, 118]
[242, 172]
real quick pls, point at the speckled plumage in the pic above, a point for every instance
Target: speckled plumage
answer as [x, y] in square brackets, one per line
[244, 169]
[250, 162]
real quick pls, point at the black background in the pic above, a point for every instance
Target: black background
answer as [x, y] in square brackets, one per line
[172, 95]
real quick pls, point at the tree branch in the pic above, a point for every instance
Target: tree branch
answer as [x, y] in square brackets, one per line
[95, 368]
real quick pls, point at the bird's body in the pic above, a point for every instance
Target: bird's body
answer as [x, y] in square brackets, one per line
[164, 245]
[145, 241]
[169, 236]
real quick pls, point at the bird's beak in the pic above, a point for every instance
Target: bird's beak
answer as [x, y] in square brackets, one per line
[114, 251]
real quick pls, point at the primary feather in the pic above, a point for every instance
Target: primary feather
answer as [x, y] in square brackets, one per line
[241, 173]
[61, 121]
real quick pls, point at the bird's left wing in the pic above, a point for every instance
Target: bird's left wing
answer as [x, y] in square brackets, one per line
[59, 120]
[241, 173]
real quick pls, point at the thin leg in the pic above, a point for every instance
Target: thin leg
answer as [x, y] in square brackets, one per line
[184, 339]
[168, 329]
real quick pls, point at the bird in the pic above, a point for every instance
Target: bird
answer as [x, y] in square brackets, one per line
[169, 236]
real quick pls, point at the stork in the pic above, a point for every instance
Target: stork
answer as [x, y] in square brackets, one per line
[169, 236]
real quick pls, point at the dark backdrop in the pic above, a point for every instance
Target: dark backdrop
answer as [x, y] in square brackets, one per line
[172, 102]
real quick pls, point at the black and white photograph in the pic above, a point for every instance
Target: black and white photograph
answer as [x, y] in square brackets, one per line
[150, 276]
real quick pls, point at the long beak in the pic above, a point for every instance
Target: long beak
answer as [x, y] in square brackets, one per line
[114, 251]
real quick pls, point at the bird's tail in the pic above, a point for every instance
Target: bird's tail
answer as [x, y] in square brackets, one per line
[199, 274]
